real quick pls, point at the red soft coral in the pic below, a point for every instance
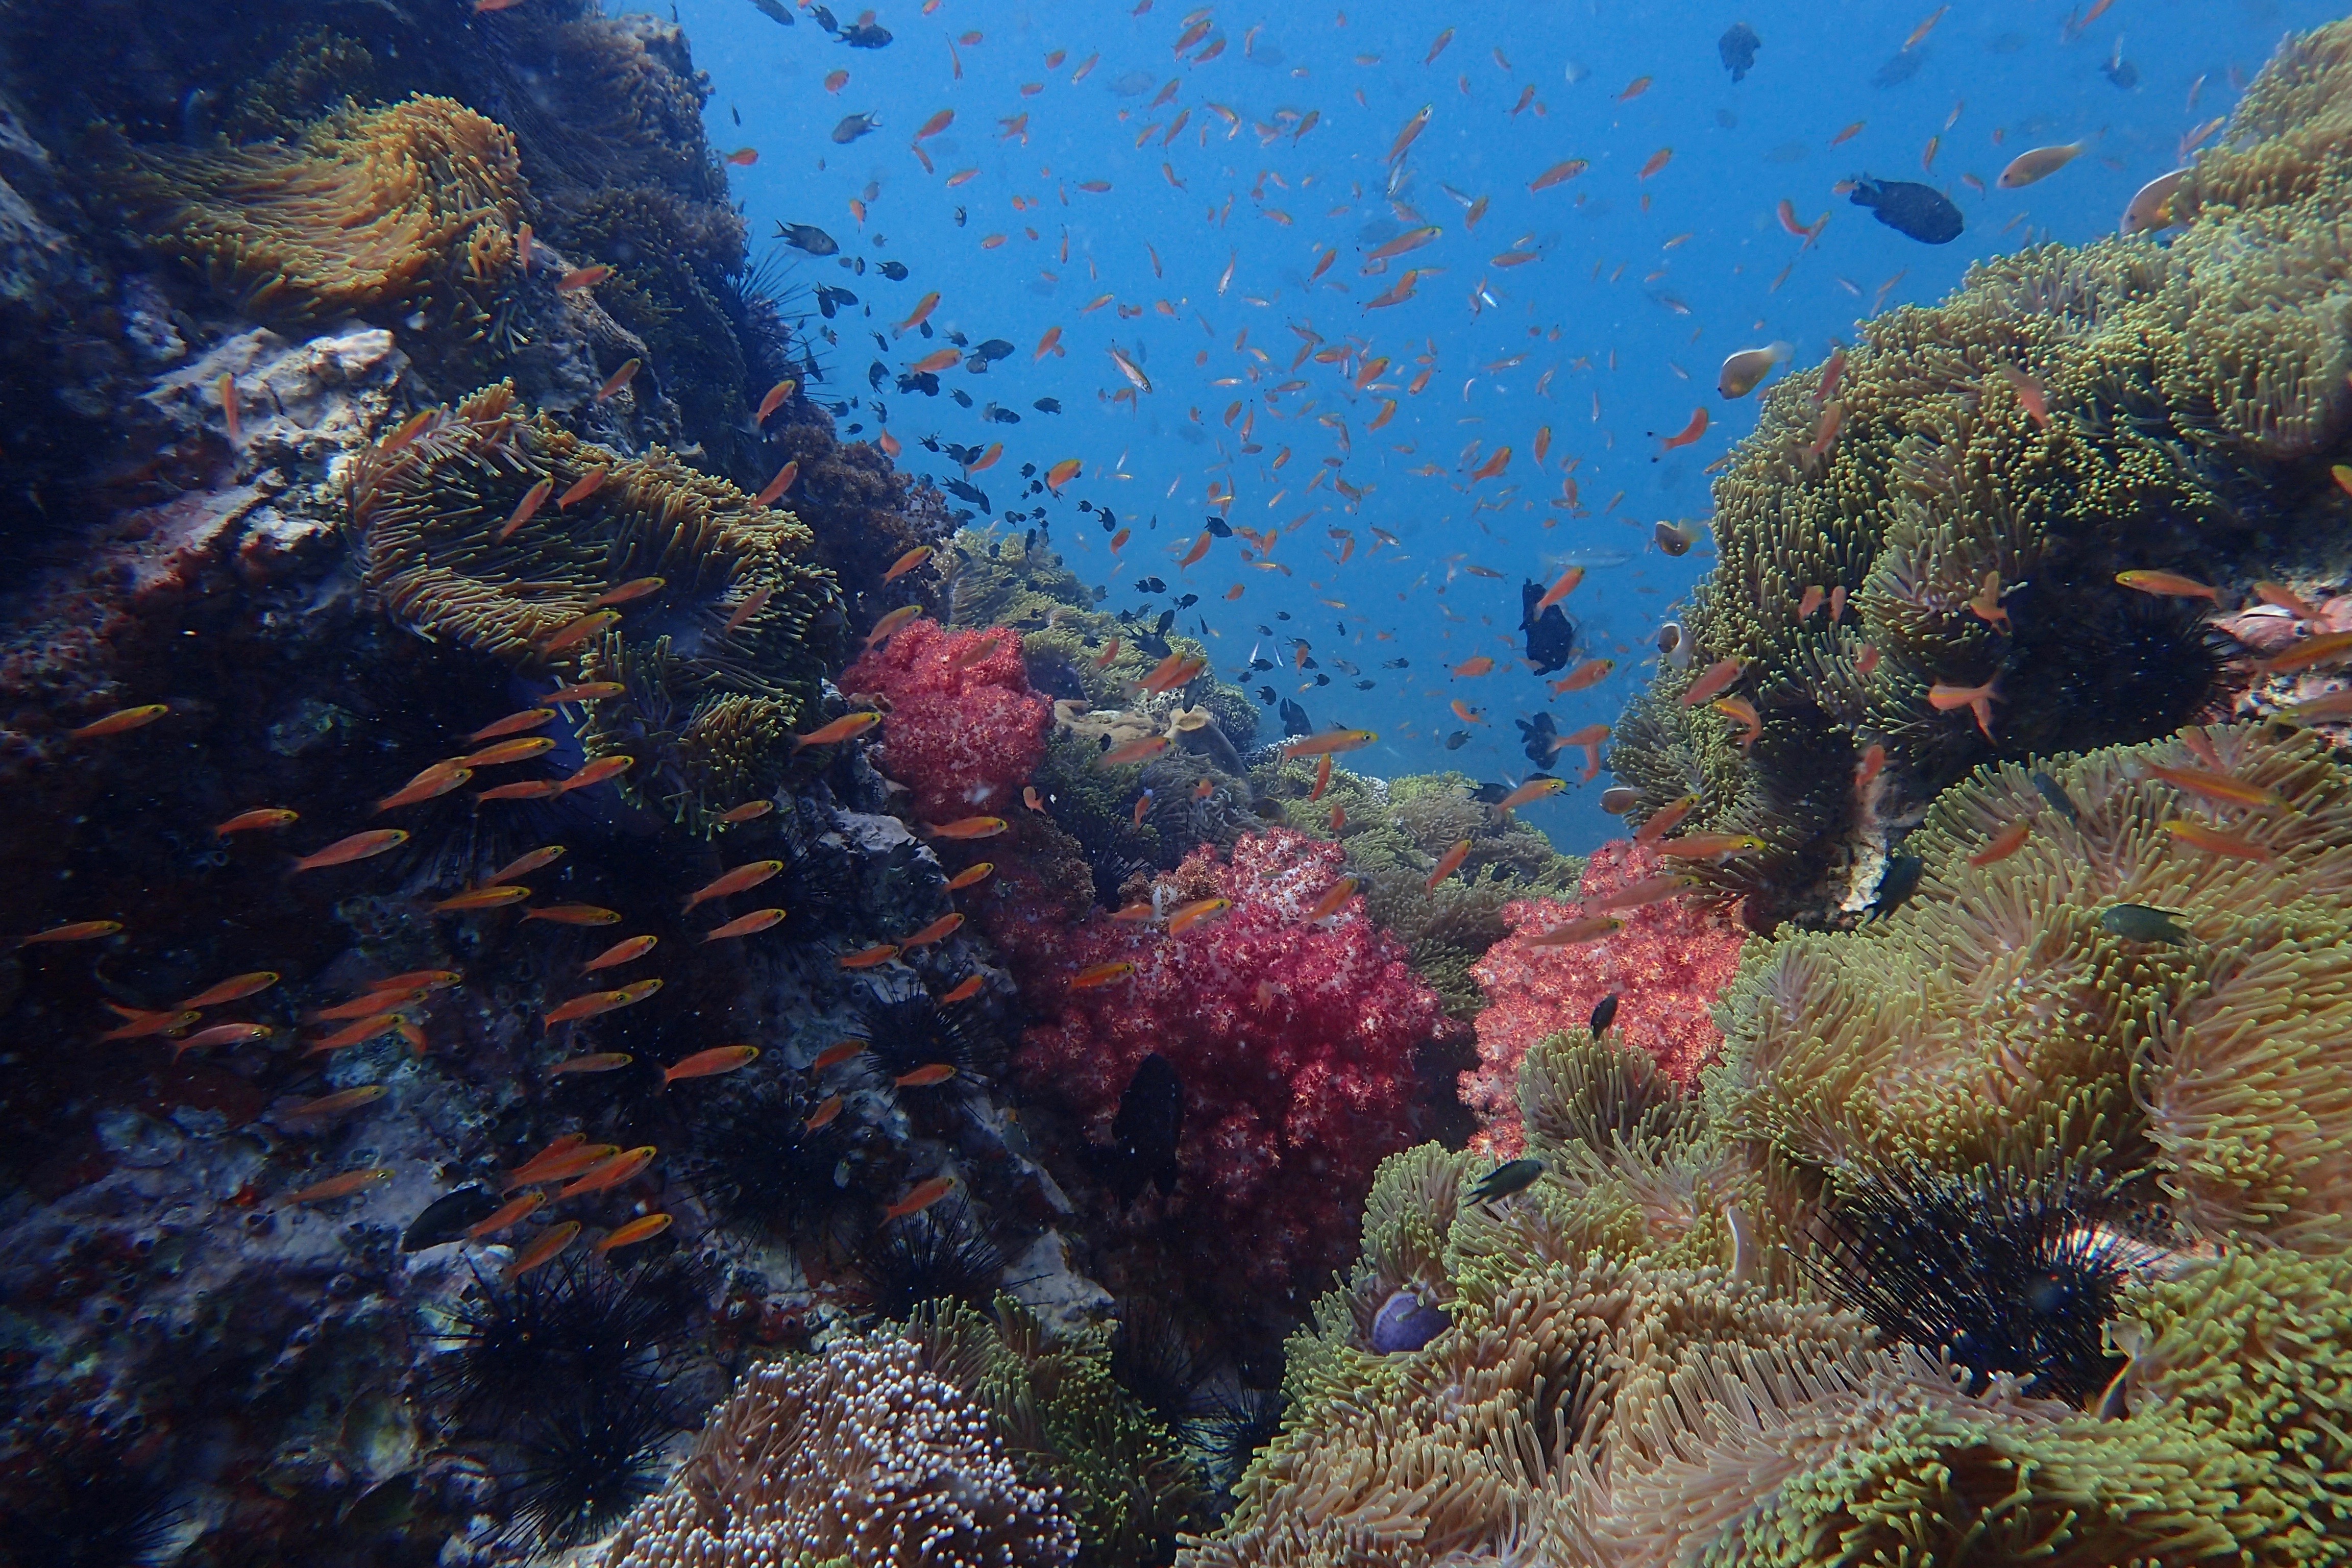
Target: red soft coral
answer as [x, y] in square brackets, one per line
[1667, 966]
[1295, 1043]
[964, 731]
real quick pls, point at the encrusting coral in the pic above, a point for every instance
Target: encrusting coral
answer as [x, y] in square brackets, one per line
[2112, 1052]
[859, 1453]
[1946, 504]
[372, 213]
[722, 655]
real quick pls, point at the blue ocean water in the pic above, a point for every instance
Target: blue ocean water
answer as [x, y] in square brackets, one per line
[1165, 181]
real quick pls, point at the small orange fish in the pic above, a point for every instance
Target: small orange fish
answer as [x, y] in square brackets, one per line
[374, 1004]
[1478, 665]
[506, 1215]
[1095, 977]
[907, 562]
[843, 729]
[1200, 548]
[624, 952]
[1685, 436]
[1710, 846]
[220, 1035]
[479, 898]
[235, 988]
[231, 416]
[1334, 900]
[121, 720]
[834, 1056]
[966, 991]
[835, 80]
[868, 958]
[779, 485]
[920, 1196]
[932, 364]
[1448, 863]
[524, 865]
[743, 157]
[584, 692]
[774, 399]
[1658, 160]
[1741, 711]
[612, 1173]
[2219, 786]
[574, 915]
[551, 1242]
[626, 593]
[341, 1186]
[1873, 762]
[938, 929]
[1534, 789]
[599, 1061]
[926, 1077]
[745, 925]
[1849, 133]
[583, 277]
[1192, 914]
[2168, 584]
[513, 724]
[76, 931]
[970, 874]
[1648, 890]
[1589, 673]
[141, 1025]
[1330, 742]
[335, 1104]
[434, 782]
[822, 1117]
[1664, 820]
[1559, 174]
[1976, 699]
[2039, 164]
[586, 485]
[1141, 750]
[711, 1063]
[1717, 679]
[589, 1005]
[750, 811]
[643, 1228]
[525, 510]
[1062, 473]
[1591, 928]
[2214, 841]
[567, 1156]
[621, 377]
[968, 827]
[741, 880]
[357, 846]
[1866, 659]
[576, 632]
[752, 604]
[2004, 844]
[261, 818]
[2307, 653]
[1030, 799]
[420, 980]
[891, 625]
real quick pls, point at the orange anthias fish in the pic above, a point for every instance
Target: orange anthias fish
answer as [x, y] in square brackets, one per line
[870, 957]
[233, 989]
[920, 1197]
[341, 1186]
[328, 1105]
[1141, 750]
[584, 692]
[555, 1240]
[260, 819]
[843, 729]
[1192, 914]
[2214, 841]
[1095, 977]
[1717, 679]
[1685, 436]
[1589, 673]
[938, 929]
[76, 931]
[745, 925]
[434, 782]
[2307, 653]
[1480, 665]
[2169, 585]
[623, 952]
[1648, 890]
[512, 724]
[506, 1216]
[907, 562]
[1534, 789]
[524, 865]
[643, 1228]
[611, 1172]
[742, 879]
[623, 376]
[2004, 844]
[926, 1077]
[834, 1056]
[1330, 742]
[600, 1061]
[931, 363]
[1591, 928]
[525, 510]
[1448, 863]
[1665, 819]
[892, 624]
[630, 592]
[578, 631]
[1976, 699]
[711, 1063]
[1559, 590]
[1559, 174]
[1062, 473]
[357, 846]
[779, 484]
[822, 1116]
[2219, 786]
[970, 874]
[119, 721]
[1710, 846]
[2039, 164]
[968, 827]
[489, 897]
[141, 1025]
[574, 914]
[774, 399]
[1333, 900]
[750, 811]
[966, 991]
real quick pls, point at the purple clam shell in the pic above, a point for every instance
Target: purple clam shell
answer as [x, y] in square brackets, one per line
[1405, 1324]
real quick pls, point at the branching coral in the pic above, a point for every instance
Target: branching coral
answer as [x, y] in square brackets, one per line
[373, 212]
[861, 1453]
[1295, 1043]
[1971, 485]
[1665, 967]
[963, 731]
[1121, 1475]
[720, 662]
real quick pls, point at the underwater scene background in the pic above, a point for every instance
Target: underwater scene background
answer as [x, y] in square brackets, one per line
[1113, 784]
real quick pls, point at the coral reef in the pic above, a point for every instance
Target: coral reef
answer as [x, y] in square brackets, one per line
[1947, 503]
[862, 1453]
[1295, 1044]
[373, 213]
[1665, 966]
[736, 631]
[962, 728]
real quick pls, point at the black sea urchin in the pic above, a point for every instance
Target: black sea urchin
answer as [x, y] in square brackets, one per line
[938, 1255]
[587, 1462]
[1151, 1357]
[906, 1033]
[89, 1509]
[1229, 1436]
[522, 1345]
[2004, 1272]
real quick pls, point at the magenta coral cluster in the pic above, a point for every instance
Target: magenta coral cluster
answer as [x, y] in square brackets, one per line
[1294, 1042]
[963, 732]
[1666, 966]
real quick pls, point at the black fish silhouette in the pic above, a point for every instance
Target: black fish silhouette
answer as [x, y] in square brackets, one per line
[809, 237]
[1144, 1133]
[1551, 636]
[1737, 48]
[1923, 211]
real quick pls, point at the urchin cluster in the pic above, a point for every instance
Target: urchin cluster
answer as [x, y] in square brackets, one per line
[2004, 1272]
[943, 1254]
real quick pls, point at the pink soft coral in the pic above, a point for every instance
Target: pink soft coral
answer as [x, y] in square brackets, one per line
[1666, 966]
[1295, 1043]
[964, 731]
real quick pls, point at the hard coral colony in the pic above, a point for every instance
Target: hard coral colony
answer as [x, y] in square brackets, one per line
[613, 960]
